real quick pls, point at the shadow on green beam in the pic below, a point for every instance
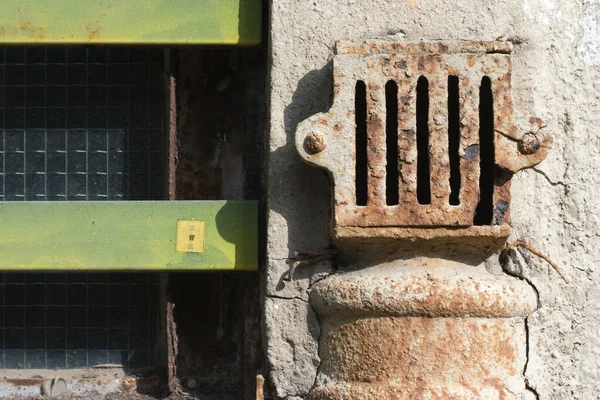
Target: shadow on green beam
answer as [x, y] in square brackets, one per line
[126, 235]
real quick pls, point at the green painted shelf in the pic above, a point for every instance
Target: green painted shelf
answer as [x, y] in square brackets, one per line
[148, 22]
[126, 235]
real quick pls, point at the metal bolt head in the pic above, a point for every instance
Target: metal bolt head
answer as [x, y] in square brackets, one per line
[529, 144]
[192, 384]
[314, 143]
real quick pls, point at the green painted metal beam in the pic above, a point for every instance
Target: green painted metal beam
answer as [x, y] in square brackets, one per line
[127, 235]
[132, 22]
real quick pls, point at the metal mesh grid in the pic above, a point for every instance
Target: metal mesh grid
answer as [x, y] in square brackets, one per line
[73, 320]
[80, 124]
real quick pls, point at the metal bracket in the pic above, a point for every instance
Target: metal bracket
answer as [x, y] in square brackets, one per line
[515, 152]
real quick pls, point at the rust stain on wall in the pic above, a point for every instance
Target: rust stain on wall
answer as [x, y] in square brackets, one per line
[412, 4]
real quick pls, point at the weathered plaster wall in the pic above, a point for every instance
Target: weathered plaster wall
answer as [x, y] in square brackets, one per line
[556, 206]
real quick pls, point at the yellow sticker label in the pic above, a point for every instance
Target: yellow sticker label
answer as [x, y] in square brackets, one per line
[190, 236]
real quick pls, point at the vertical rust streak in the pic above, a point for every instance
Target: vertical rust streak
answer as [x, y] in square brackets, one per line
[216, 315]
[407, 141]
[199, 124]
[376, 146]
[172, 150]
[252, 340]
[172, 349]
[469, 145]
[260, 384]
[170, 327]
[438, 141]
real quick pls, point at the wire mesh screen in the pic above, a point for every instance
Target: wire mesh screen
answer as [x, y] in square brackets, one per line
[73, 320]
[80, 124]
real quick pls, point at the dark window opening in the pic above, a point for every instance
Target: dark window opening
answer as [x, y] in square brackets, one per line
[423, 167]
[484, 210]
[80, 124]
[391, 132]
[454, 139]
[360, 110]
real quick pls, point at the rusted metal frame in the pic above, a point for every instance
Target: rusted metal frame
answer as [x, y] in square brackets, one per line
[439, 212]
[170, 327]
[503, 121]
[469, 149]
[415, 232]
[409, 212]
[406, 72]
[506, 133]
[404, 63]
[407, 143]
[392, 47]
[376, 208]
[344, 128]
[198, 122]
[172, 349]
[501, 211]
[172, 143]
[514, 150]
[376, 141]
[439, 159]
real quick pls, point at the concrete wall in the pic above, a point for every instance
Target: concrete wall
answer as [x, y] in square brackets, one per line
[555, 207]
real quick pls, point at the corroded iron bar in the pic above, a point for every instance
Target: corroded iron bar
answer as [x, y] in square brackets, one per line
[407, 143]
[469, 143]
[439, 161]
[376, 149]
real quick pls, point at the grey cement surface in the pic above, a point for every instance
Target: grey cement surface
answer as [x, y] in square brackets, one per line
[555, 207]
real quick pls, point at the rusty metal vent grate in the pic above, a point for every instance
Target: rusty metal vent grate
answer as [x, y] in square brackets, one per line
[421, 135]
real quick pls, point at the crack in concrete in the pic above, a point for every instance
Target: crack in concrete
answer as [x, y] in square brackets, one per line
[271, 296]
[528, 386]
[531, 389]
[550, 181]
[320, 279]
[521, 275]
[318, 344]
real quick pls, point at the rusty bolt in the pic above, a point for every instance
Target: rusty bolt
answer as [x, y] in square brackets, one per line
[314, 143]
[529, 144]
